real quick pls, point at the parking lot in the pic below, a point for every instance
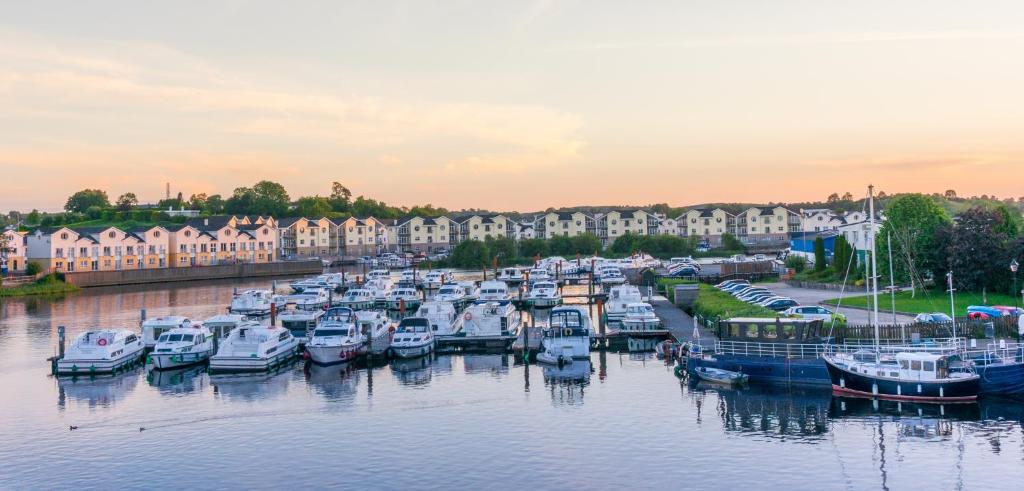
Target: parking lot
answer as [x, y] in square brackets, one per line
[809, 296]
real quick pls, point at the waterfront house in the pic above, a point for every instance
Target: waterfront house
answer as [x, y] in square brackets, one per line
[480, 227]
[308, 237]
[709, 224]
[97, 248]
[419, 234]
[569, 224]
[13, 254]
[616, 223]
[819, 219]
[362, 236]
[767, 225]
[667, 225]
[526, 230]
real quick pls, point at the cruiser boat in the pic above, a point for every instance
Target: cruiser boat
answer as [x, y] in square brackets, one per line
[358, 299]
[412, 338]
[491, 321]
[222, 325]
[410, 278]
[619, 297]
[452, 292]
[380, 287]
[182, 346]
[378, 274]
[101, 351]
[335, 340]
[567, 336]
[314, 282]
[444, 319]
[471, 290]
[612, 277]
[511, 276]
[153, 328]
[434, 279]
[254, 347]
[641, 319]
[403, 297]
[374, 329]
[311, 298]
[912, 376]
[539, 274]
[543, 294]
[494, 291]
[255, 303]
[302, 318]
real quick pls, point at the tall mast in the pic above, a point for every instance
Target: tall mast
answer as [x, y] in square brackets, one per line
[874, 263]
[892, 287]
[952, 305]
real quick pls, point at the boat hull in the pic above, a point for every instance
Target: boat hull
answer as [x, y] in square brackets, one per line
[850, 383]
[332, 355]
[412, 351]
[769, 370]
[361, 305]
[409, 304]
[165, 361]
[98, 366]
[1007, 379]
[252, 364]
[543, 303]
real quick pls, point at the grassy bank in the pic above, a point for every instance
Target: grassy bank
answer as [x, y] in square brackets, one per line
[926, 301]
[667, 285]
[714, 303]
[47, 285]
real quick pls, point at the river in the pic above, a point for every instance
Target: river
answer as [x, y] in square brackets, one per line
[622, 420]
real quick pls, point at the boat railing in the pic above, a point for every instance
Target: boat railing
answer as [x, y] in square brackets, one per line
[815, 350]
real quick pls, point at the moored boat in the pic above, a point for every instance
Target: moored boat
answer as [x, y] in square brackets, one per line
[153, 328]
[336, 339]
[567, 336]
[181, 347]
[719, 376]
[413, 337]
[101, 351]
[254, 347]
[443, 317]
[403, 297]
[641, 319]
[619, 297]
[255, 303]
[358, 299]
[543, 294]
[491, 321]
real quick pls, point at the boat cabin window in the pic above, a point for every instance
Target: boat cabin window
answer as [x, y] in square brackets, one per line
[330, 332]
[915, 365]
[163, 338]
[771, 331]
[187, 337]
[905, 364]
[130, 338]
[928, 366]
[174, 337]
[751, 330]
[566, 319]
[284, 336]
[788, 331]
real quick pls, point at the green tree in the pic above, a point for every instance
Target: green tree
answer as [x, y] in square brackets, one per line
[470, 254]
[731, 243]
[978, 249]
[264, 198]
[819, 255]
[32, 218]
[502, 248]
[798, 263]
[841, 255]
[584, 244]
[340, 198]
[86, 198]
[127, 201]
[912, 220]
[214, 204]
[312, 207]
[530, 248]
[560, 245]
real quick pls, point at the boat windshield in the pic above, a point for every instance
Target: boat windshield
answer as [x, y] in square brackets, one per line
[329, 332]
[448, 291]
[412, 329]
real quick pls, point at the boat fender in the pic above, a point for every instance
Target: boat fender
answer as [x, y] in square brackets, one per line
[468, 316]
[102, 342]
[567, 332]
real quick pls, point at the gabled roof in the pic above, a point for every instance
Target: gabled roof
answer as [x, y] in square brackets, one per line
[288, 222]
[211, 223]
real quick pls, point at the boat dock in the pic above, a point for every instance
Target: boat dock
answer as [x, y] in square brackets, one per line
[679, 323]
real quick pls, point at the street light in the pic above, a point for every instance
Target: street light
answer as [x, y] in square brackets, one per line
[1013, 269]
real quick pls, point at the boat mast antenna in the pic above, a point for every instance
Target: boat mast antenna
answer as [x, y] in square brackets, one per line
[952, 305]
[874, 264]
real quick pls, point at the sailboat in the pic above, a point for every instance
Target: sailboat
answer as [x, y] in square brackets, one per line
[903, 373]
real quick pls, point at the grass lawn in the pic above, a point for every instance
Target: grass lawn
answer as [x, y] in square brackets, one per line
[47, 285]
[714, 303]
[668, 284]
[927, 301]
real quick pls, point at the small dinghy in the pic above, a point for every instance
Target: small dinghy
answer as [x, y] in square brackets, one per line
[720, 376]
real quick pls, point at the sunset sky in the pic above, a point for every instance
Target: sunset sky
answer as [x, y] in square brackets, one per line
[512, 105]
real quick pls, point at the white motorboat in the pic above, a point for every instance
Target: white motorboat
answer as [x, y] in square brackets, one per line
[302, 317]
[182, 346]
[310, 298]
[256, 303]
[511, 276]
[377, 274]
[358, 299]
[101, 351]
[222, 325]
[254, 347]
[153, 328]
[471, 290]
[611, 277]
[453, 293]
[319, 281]
[413, 338]
[434, 279]
[494, 291]
[491, 321]
[536, 275]
[445, 320]
[619, 297]
[543, 294]
[403, 297]
[380, 287]
[410, 277]
[336, 339]
[374, 329]
[567, 336]
[641, 319]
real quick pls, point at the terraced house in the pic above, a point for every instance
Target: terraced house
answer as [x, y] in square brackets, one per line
[709, 224]
[222, 240]
[565, 223]
[308, 237]
[98, 248]
[480, 227]
[12, 251]
[363, 236]
[767, 224]
[616, 223]
[419, 234]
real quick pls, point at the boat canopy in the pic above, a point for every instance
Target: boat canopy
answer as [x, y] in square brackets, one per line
[771, 330]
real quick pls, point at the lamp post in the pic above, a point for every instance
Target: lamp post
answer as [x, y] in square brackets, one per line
[1014, 265]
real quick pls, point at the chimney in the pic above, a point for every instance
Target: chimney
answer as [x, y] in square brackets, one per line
[206, 222]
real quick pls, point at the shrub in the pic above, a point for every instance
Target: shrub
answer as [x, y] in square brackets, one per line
[713, 303]
[798, 263]
[33, 268]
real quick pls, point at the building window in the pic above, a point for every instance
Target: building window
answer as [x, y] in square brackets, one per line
[156, 234]
[111, 235]
[64, 236]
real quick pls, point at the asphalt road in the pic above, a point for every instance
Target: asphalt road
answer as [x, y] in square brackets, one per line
[809, 296]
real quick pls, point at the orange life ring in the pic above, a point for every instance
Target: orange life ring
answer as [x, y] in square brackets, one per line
[102, 342]
[468, 316]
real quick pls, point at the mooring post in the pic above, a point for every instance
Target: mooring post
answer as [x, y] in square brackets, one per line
[273, 287]
[600, 316]
[401, 307]
[60, 341]
[273, 314]
[142, 317]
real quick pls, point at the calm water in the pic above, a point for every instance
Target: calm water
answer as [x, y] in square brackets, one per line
[623, 420]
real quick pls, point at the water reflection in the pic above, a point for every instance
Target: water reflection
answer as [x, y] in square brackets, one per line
[97, 391]
[568, 383]
[483, 363]
[414, 371]
[333, 383]
[767, 411]
[251, 387]
[178, 381]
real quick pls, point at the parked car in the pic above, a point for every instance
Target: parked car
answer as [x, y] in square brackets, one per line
[760, 257]
[780, 304]
[1008, 310]
[983, 312]
[814, 312]
[728, 283]
[685, 271]
[737, 287]
[932, 318]
[751, 292]
[760, 297]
